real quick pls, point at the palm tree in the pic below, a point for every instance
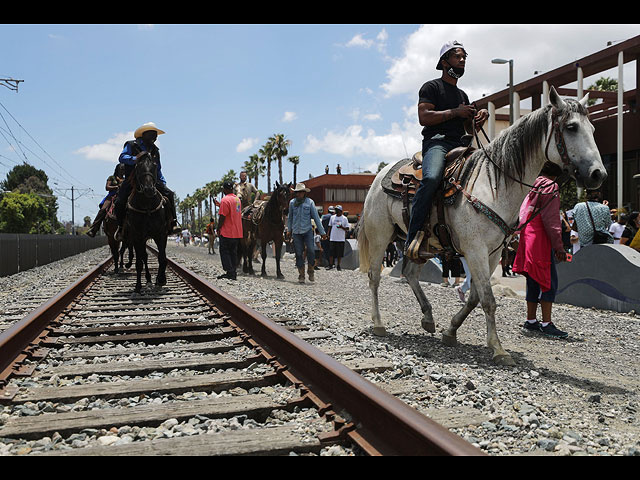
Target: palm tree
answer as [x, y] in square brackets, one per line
[199, 195]
[266, 152]
[295, 159]
[259, 169]
[280, 149]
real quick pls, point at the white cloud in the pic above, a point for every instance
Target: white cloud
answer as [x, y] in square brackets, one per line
[108, 151]
[401, 141]
[532, 47]
[246, 144]
[380, 42]
[359, 41]
[289, 116]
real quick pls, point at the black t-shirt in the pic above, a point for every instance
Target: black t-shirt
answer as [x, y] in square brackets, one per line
[443, 96]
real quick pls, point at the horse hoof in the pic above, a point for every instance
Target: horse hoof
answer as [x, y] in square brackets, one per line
[380, 331]
[504, 360]
[281, 277]
[429, 326]
[449, 341]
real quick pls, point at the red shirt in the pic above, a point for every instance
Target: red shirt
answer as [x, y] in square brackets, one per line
[231, 208]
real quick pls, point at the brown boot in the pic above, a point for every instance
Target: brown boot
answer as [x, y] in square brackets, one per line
[301, 275]
[311, 272]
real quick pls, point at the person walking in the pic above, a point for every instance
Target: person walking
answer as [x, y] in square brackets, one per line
[211, 236]
[325, 242]
[338, 228]
[592, 220]
[229, 230]
[540, 244]
[302, 210]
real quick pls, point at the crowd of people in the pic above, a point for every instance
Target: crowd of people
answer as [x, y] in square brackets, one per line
[313, 238]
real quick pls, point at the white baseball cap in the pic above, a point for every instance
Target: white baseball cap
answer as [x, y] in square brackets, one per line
[445, 48]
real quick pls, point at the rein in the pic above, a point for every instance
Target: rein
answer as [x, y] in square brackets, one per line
[480, 207]
[138, 189]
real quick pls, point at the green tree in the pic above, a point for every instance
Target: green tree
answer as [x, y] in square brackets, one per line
[295, 160]
[266, 152]
[23, 213]
[280, 149]
[603, 84]
[27, 180]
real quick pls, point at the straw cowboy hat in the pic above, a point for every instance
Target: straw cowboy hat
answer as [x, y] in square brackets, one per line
[301, 188]
[145, 128]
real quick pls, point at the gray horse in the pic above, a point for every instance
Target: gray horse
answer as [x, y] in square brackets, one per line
[560, 132]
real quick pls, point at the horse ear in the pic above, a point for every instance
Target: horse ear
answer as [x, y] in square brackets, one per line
[277, 185]
[555, 99]
[584, 100]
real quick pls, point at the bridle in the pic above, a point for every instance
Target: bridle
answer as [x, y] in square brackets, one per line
[557, 126]
[139, 188]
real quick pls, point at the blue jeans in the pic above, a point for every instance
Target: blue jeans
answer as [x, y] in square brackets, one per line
[433, 153]
[299, 242]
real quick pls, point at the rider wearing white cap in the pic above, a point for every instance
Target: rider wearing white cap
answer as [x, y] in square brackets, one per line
[446, 115]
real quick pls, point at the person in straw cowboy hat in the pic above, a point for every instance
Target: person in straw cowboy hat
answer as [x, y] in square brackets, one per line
[144, 143]
[301, 211]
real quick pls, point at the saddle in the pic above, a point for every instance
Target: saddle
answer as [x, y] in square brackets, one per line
[254, 212]
[403, 180]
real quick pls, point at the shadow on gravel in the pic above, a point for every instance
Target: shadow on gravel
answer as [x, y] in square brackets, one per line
[431, 348]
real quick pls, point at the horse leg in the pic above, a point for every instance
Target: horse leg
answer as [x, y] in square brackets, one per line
[161, 278]
[480, 291]
[113, 246]
[411, 272]
[263, 246]
[130, 261]
[278, 245]
[376, 246]
[458, 318]
[140, 251]
[123, 248]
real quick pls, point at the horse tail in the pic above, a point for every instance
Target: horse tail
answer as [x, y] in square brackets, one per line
[363, 247]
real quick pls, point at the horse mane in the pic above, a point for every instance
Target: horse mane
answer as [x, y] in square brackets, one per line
[515, 144]
[272, 208]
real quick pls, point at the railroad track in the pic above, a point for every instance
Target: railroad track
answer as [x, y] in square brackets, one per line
[189, 370]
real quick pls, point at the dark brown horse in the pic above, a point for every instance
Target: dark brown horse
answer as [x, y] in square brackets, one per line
[267, 225]
[147, 218]
[110, 226]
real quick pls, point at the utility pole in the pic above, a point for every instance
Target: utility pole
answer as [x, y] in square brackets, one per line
[73, 199]
[10, 83]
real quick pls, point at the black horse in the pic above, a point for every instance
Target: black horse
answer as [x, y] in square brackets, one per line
[147, 218]
[266, 224]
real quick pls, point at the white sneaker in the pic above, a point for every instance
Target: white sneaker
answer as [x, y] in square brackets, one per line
[461, 294]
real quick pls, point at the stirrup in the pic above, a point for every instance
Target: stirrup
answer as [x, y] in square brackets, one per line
[118, 235]
[416, 252]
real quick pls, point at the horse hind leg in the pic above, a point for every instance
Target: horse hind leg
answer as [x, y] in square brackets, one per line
[411, 272]
[480, 292]
[449, 335]
[376, 255]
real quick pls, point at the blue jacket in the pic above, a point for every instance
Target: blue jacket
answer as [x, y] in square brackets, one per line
[128, 157]
[299, 219]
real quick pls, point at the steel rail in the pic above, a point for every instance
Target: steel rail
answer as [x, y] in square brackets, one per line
[21, 341]
[381, 424]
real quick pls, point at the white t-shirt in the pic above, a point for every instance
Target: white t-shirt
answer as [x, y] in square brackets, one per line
[338, 234]
[616, 230]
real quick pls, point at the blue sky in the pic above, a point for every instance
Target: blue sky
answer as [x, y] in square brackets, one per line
[342, 94]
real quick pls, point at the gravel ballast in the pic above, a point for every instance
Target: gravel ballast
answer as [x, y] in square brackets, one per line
[577, 396]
